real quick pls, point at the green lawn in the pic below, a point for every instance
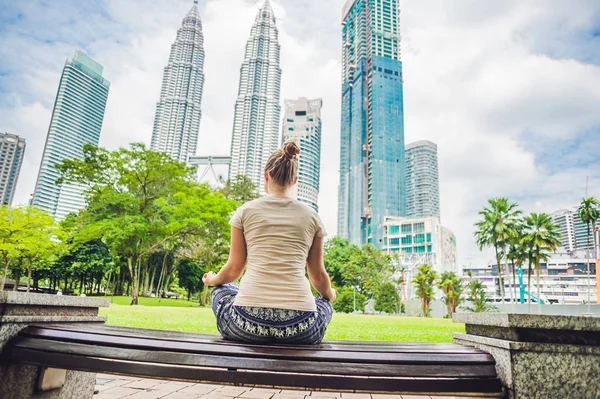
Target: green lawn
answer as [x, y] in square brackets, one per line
[342, 327]
[179, 303]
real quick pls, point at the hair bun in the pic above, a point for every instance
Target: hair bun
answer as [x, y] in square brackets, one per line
[291, 149]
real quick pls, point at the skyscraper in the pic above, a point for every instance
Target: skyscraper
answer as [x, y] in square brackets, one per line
[257, 109]
[573, 232]
[178, 113]
[12, 151]
[422, 180]
[372, 175]
[76, 120]
[302, 122]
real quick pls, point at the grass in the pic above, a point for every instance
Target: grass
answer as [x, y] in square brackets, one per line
[143, 301]
[181, 317]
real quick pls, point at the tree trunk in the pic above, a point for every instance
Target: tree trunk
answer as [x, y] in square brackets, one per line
[514, 276]
[537, 276]
[134, 279]
[529, 285]
[28, 274]
[500, 280]
[17, 281]
[152, 281]
[589, 285]
[6, 264]
[146, 279]
[510, 291]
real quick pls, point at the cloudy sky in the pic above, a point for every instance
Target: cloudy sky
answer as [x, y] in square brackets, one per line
[509, 90]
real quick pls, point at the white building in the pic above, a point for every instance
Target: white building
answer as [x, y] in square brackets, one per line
[12, 151]
[177, 118]
[257, 109]
[422, 180]
[302, 123]
[573, 231]
[563, 279]
[77, 120]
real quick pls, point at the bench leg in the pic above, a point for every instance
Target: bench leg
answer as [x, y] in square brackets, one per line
[51, 379]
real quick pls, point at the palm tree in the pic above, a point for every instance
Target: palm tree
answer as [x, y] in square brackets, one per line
[516, 253]
[589, 214]
[541, 238]
[424, 282]
[476, 294]
[451, 285]
[497, 227]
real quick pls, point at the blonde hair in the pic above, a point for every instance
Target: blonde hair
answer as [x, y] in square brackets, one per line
[283, 164]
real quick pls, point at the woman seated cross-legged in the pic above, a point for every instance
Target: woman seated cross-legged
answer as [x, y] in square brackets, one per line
[276, 239]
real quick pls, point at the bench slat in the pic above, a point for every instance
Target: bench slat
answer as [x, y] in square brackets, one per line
[303, 353]
[346, 346]
[258, 364]
[480, 387]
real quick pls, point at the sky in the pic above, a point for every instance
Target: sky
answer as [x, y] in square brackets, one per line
[509, 90]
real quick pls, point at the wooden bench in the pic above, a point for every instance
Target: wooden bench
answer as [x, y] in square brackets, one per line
[402, 368]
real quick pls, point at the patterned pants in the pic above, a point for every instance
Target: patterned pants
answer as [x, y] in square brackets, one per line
[268, 325]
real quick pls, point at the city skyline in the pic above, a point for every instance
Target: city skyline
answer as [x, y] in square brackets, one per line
[12, 149]
[509, 142]
[77, 119]
[178, 112]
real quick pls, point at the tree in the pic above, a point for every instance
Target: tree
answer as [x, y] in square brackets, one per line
[336, 256]
[424, 281]
[478, 298]
[139, 200]
[541, 238]
[517, 253]
[240, 189]
[387, 299]
[190, 276]
[25, 232]
[346, 298]
[451, 286]
[497, 227]
[589, 213]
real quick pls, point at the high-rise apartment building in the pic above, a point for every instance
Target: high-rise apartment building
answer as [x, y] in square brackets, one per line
[257, 109]
[573, 232]
[372, 175]
[302, 122]
[76, 120]
[177, 118]
[422, 180]
[12, 151]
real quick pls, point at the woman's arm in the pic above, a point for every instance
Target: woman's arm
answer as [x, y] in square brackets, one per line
[234, 267]
[316, 271]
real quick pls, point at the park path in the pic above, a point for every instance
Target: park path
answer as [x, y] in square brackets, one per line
[118, 387]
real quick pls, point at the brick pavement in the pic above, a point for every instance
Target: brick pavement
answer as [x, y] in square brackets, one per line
[118, 387]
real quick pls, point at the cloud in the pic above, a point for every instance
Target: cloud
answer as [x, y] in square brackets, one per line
[509, 90]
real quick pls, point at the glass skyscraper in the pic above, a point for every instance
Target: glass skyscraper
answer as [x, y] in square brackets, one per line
[422, 180]
[302, 122]
[76, 120]
[12, 151]
[372, 172]
[257, 109]
[177, 118]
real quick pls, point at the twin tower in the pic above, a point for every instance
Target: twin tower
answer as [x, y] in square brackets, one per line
[256, 124]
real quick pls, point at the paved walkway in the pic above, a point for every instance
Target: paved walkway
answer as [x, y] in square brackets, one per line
[117, 387]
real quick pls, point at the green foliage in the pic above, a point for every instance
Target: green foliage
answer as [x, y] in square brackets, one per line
[240, 189]
[190, 276]
[478, 298]
[497, 228]
[541, 237]
[25, 236]
[387, 299]
[424, 282]
[451, 286]
[345, 301]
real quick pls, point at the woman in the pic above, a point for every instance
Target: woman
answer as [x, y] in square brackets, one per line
[276, 238]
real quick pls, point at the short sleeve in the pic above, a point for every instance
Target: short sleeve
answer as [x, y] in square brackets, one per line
[320, 231]
[237, 219]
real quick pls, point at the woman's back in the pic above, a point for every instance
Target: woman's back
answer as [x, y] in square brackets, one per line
[279, 233]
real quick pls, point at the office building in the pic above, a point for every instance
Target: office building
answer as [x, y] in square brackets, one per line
[422, 180]
[12, 151]
[76, 120]
[302, 123]
[372, 165]
[257, 109]
[178, 113]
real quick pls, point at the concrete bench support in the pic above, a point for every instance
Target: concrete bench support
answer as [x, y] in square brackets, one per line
[19, 310]
[538, 356]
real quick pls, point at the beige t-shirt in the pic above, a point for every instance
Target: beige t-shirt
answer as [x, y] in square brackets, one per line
[279, 233]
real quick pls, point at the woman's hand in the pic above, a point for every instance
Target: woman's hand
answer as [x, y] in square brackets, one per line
[208, 278]
[332, 295]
